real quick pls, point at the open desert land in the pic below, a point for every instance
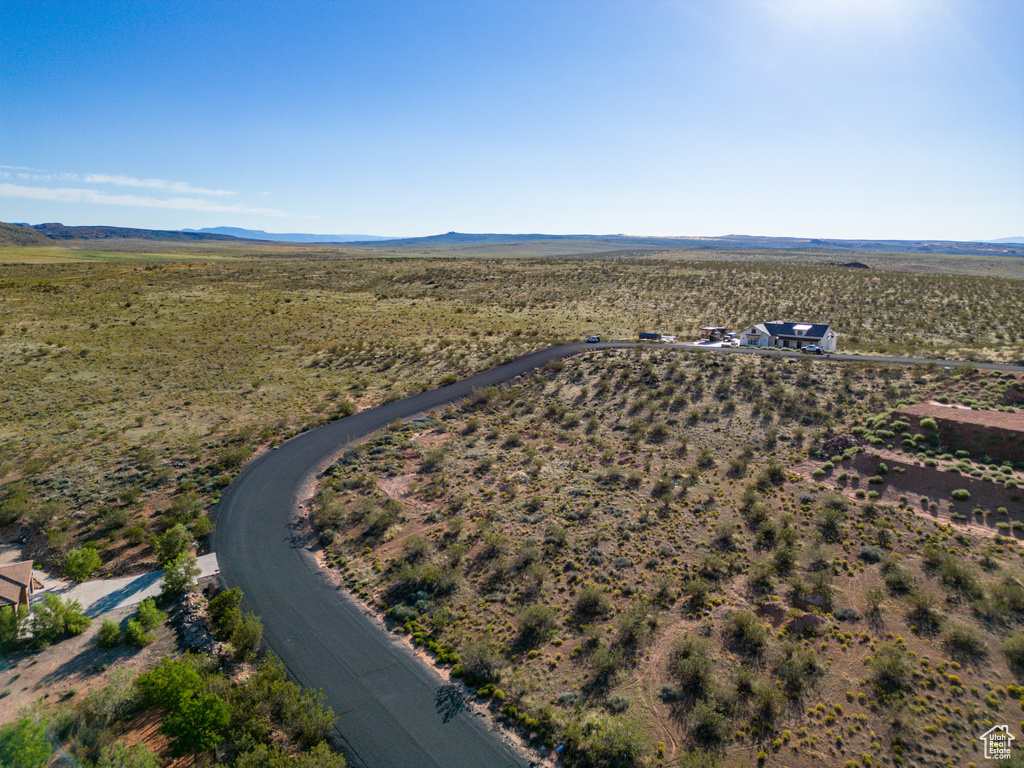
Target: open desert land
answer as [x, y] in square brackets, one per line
[642, 552]
[651, 556]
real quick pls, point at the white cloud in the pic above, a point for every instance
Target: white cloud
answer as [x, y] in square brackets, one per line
[21, 168]
[97, 197]
[43, 176]
[175, 187]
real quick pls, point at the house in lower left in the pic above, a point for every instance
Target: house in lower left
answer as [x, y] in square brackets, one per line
[16, 584]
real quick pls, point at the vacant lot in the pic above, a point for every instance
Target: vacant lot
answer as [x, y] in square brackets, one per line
[132, 390]
[629, 554]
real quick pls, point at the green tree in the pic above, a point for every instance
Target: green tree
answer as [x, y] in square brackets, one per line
[80, 564]
[54, 619]
[224, 612]
[10, 622]
[169, 545]
[170, 681]
[23, 744]
[247, 635]
[180, 575]
[197, 724]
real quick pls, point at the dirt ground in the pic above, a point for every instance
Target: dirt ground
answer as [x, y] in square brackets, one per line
[72, 667]
[918, 487]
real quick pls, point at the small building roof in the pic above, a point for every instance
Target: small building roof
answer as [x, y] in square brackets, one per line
[14, 579]
[807, 330]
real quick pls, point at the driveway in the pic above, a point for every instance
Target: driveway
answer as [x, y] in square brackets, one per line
[102, 595]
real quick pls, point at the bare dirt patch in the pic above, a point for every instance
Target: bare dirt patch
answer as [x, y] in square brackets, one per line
[74, 666]
[927, 491]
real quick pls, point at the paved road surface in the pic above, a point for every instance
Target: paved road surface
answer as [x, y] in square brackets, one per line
[393, 711]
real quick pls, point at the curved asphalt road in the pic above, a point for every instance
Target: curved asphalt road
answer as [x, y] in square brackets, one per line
[393, 711]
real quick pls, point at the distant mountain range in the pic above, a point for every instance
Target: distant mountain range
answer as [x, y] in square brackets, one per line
[731, 242]
[289, 237]
[44, 234]
[55, 231]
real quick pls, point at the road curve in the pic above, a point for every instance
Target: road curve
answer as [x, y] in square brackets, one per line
[392, 709]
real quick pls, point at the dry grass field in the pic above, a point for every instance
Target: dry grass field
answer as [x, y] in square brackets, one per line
[134, 385]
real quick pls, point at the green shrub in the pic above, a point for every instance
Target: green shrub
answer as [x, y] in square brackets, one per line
[591, 602]
[767, 705]
[224, 612]
[890, 671]
[480, 661]
[80, 564]
[708, 726]
[54, 619]
[169, 545]
[170, 681]
[109, 634]
[149, 616]
[180, 575]
[247, 636]
[24, 744]
[1013, 649]
[797, 668]
[10, 626]
[871, 553]
[961, 494]
[924, 610]
[691, 664]
[120, 755]
[929, 423]
[136, 635]
[636, 622]
[536, 624]
[746, 631]
[965, 643]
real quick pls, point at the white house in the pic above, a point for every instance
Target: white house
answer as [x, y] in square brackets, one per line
[789, 335]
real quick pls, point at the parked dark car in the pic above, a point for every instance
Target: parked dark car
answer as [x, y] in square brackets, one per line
[593, 339]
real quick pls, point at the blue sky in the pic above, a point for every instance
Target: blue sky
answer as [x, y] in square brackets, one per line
[816, 118]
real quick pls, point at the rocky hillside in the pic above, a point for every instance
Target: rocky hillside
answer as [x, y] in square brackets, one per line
[19, 234]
